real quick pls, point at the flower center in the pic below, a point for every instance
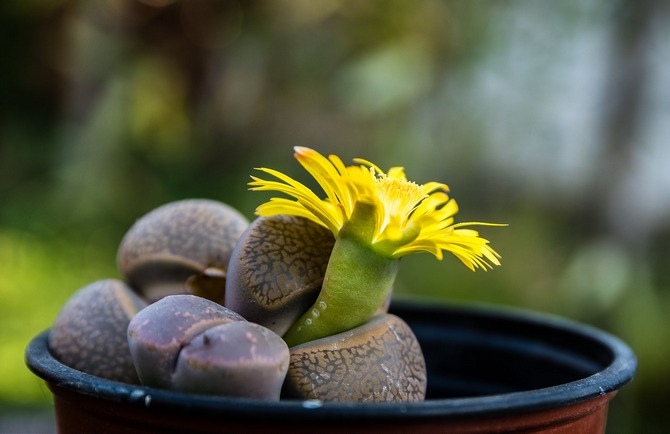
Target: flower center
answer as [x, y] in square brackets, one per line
[399, 197]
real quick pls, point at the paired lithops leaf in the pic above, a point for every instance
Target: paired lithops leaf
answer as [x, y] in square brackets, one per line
[157, 333]
[181, 247]
[379, 361]
[191, 344]
[89, 333]
[235, 359]
[276, 270]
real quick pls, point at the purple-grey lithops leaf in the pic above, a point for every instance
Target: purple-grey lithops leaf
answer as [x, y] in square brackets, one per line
[158, 332]
[182, 247]
[240, 359]
[276, 270]
[89, 333]
[379, 361]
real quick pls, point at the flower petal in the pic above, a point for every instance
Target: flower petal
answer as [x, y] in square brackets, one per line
[405, 217]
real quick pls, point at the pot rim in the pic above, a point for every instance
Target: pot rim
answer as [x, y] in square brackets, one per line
[618, 373]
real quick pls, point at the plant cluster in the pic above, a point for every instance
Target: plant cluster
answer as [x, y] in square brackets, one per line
[291, 305]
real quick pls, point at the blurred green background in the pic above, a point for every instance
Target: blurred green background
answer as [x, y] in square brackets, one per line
[551, 116]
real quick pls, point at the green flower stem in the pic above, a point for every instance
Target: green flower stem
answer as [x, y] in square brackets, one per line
[357, 282]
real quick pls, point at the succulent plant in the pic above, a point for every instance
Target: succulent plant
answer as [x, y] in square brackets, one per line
[379, 361]
[234, 359]
[188, 343]
[89, 333]
[181, 247]
[276, 270]
[306, 287]
[158, 333]
[376, 218]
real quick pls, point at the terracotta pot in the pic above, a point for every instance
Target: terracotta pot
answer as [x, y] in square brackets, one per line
[489, 370]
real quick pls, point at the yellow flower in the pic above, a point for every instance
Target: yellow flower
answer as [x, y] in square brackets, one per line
[376, 218]
[405, 217]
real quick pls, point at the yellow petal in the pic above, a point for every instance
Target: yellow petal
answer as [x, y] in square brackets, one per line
[405, 217]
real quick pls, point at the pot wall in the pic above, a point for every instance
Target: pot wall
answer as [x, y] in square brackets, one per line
[488, 371]
[77, 415]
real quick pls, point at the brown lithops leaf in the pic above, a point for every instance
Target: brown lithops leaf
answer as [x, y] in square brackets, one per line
[159, 331]
[276, 270]
[379, 361]
[89, 333]
[234, 359]
[188, 240]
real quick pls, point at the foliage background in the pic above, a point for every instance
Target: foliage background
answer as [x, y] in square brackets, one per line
[551, 116]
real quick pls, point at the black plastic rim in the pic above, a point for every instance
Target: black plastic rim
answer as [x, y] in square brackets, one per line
[618, 371]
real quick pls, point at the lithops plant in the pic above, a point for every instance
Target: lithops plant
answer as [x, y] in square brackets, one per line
[180, 248]
[158, 332]
[191, 344]
[376, 218]
[89, 333]
[379, 361]
[276, 270]
[316, 270]
[235, 359]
